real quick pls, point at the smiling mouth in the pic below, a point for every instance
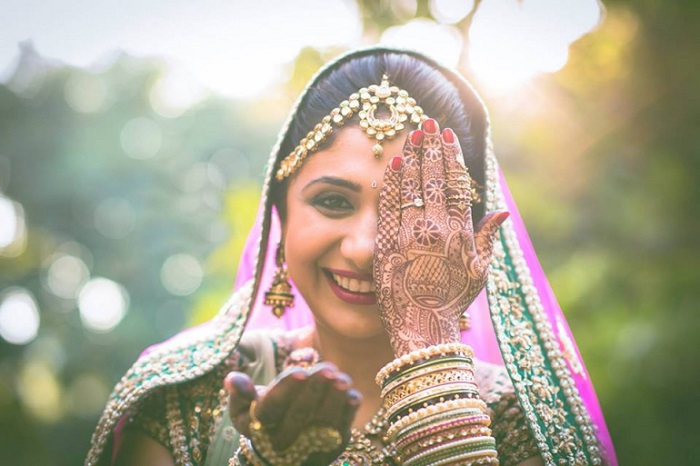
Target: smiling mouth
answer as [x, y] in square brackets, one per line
[353, 285]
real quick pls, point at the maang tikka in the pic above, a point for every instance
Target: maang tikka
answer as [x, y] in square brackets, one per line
[366, 103]
[280, 296]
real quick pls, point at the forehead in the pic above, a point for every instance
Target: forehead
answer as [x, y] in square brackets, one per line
[350, 156]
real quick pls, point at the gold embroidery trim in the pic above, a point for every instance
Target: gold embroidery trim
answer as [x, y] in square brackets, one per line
[530, 346]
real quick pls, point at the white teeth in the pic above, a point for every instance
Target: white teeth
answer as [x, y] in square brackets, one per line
[353, 284]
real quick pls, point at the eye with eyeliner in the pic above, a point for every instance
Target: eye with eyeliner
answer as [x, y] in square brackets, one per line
[332, 204]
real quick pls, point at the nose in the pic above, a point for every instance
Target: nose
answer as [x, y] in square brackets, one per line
[357, 246]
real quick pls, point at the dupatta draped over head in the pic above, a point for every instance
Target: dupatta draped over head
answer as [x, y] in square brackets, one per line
[515, 322]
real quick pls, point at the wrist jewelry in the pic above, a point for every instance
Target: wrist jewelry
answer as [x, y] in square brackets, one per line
[434, 410]
[409, 359]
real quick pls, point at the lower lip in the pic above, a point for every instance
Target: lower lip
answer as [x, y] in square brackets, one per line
[351, 297]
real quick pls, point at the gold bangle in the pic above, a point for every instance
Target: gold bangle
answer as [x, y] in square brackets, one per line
[475, 415]
[448, 434]
[444, 392]
[418, 372]
[247, 452]
[420, 354]
[431, 380]
[436, 409]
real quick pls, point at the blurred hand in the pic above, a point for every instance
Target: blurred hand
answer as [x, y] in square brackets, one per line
[429, 263]
[296, 400]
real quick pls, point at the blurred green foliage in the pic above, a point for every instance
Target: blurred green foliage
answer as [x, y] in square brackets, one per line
[602, 161]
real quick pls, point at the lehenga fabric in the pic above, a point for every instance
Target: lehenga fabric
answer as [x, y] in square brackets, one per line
[516, 323]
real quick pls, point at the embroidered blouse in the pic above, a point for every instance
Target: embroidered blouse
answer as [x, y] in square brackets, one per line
[184, 417]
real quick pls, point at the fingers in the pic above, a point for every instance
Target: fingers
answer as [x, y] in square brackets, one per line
[433, 171]
[332, 408]
[389, 208]
[486, 235]
[241, 394]
[457, 192]
[353, 399]
[302, 411]
[321, 397]
[411, 188]
[273, 406]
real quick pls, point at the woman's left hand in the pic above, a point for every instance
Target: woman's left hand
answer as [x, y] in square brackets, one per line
[429, 263]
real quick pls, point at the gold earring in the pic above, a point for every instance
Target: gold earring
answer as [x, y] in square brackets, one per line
[280, 296]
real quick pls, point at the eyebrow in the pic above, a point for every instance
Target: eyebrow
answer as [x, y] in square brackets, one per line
[340, 182]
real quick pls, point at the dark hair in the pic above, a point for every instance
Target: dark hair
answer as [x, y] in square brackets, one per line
[434, 91]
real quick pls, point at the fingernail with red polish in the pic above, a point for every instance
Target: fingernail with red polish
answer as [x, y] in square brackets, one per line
[430, 126]
[416, 137]
[503, 217]
[448, 136]
[396, 163]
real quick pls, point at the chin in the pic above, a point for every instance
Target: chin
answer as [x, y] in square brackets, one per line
[353, 324]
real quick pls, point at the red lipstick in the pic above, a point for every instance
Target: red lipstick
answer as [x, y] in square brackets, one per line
[351, 297]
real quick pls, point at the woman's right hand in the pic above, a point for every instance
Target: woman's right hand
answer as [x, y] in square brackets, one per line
[294, 402]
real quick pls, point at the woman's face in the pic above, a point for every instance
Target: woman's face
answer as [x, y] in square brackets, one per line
[330, 228]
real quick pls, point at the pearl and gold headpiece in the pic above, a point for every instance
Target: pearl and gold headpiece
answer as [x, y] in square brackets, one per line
[401, 107]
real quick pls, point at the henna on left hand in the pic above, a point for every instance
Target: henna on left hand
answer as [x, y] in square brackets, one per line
[429, 263]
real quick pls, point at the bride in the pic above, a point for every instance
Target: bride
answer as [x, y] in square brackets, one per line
[360, 331]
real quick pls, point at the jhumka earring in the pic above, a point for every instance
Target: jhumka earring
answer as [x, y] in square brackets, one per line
[280, 296]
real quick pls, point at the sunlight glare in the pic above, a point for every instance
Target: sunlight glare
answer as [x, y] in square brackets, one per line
[231, 47]
[450, 11]
[510, 42]
[441, 42]
[175, 92]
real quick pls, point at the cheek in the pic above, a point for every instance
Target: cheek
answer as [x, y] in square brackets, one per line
[307, 243]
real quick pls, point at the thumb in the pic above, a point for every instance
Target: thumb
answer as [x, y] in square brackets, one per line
[486, 234]
[241, 394]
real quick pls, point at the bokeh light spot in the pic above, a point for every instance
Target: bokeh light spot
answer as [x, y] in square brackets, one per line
[195, 179]
[66, 275]
[450, 11]
[103, 304]
[40, 391]
[86, 93]
[19, 317]
[115, 218]
[174, 93]
[12, 228]
[86, 396]
[141, 138]
[181, 274]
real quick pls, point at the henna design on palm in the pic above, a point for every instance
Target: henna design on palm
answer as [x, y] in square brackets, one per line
[429, 263]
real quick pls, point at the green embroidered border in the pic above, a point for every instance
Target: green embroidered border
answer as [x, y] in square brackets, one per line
[534, 360]
[184, 358]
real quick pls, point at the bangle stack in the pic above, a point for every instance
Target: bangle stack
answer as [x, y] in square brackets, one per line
[435, 414]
